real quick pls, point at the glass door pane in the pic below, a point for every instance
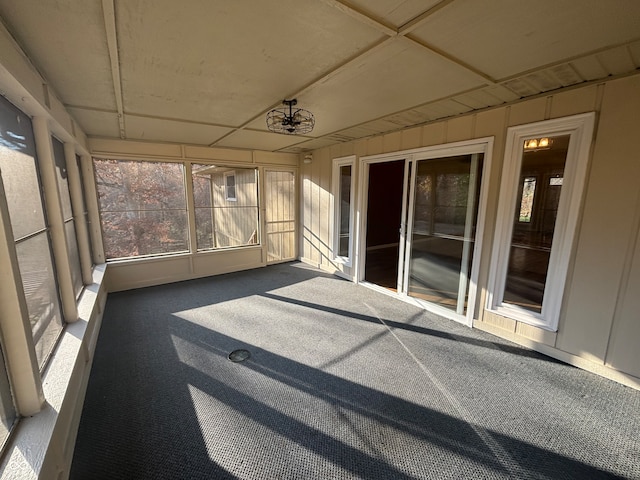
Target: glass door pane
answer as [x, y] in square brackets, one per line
[442, 229]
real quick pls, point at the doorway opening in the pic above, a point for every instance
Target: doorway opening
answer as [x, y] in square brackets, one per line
[384, 220]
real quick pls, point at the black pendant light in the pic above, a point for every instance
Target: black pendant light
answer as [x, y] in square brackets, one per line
[290, 120]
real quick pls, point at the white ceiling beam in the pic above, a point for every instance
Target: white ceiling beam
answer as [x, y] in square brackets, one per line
[406, 29]
[109, 14]
[420, 19]
[485, 77]
[362, 17]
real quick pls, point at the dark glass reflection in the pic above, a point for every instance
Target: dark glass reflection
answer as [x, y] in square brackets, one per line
[540, 185]
[345, 210]
[444, 224]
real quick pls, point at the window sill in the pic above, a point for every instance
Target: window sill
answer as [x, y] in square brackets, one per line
[41, 446]
[183, 254]
[148, 258]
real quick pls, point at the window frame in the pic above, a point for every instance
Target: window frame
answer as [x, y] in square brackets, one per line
[336, 199]
[101, 212]
[64, 191]
[196, 248]
[227, 197]
[580, 128]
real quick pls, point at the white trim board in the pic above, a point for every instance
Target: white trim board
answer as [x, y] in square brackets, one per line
[580, 127]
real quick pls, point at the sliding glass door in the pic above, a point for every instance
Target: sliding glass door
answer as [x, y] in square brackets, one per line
[432, 236]
[442, 220]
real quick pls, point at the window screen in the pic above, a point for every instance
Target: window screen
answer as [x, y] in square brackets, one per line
[23, 192]
[67, 213]
[143, 207]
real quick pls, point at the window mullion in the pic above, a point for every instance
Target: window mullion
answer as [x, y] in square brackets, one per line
[91, 196]
[55, 218]
[77, 205]
[191, 210]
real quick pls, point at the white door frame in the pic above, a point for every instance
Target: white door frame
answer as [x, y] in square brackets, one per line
[480, 145]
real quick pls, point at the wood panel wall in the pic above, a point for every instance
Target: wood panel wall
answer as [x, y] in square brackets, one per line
[600, 319]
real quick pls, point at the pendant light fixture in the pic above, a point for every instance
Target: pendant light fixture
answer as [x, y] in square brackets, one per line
[290, 120]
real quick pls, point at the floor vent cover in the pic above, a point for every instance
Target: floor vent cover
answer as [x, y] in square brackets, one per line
[239, 355]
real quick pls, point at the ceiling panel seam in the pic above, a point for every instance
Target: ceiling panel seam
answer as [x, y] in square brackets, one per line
[91, 109]
[408, 28]
[362, 17]
[323, 77]
[426, 104]
[450, 58]
[415, 22]
[178, 120]
[109, 14]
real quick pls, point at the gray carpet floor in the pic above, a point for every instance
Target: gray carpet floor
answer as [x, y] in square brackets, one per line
[342, 383]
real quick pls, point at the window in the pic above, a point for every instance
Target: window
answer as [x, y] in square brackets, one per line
[545, 168]
[143, 208]
[21, 181]
[219, 223]
[526, 199]
[343, 181]
[67, 213]
[230, 186]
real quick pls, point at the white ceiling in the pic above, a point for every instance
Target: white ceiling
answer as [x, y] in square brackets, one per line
[205, 72]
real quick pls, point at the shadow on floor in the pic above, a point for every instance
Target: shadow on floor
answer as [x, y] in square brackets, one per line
[164, 402]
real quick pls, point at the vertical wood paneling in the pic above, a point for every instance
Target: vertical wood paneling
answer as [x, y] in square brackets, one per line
[236, 221]
[433, 134]
[580, 100]
[307, 205]
[459, 128]
[375, 145]
[623, 353]
[527, 112]
[491, 123]
[392, 142]
[325, 209]
[411, 138]
[315, 212]
[606, 228]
